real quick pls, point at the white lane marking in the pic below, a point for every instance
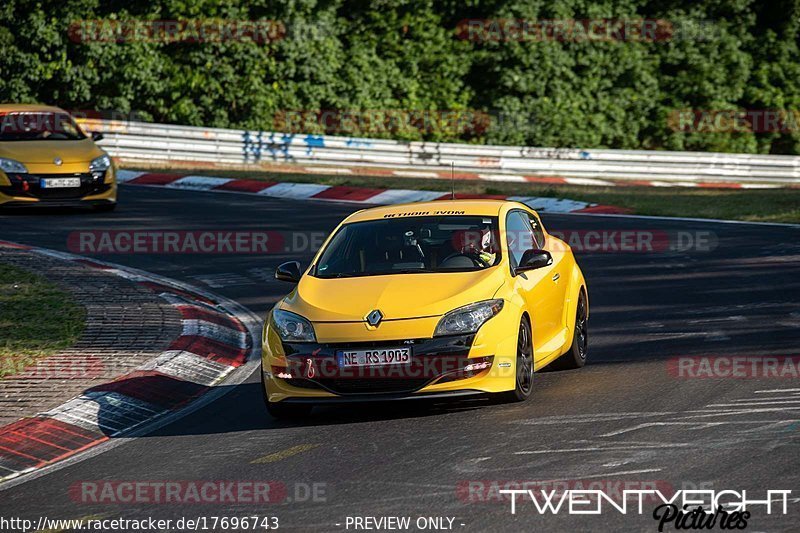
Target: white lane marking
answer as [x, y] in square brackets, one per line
[119, 412]
[215, 332]
[590, 418]
[632, 447]
[759, 186]
[327, 170]
[588, 181]
[566, 450]
[767, 400]
[710, 413]
[502, 177]
[723, 320]
[694, 425]
[293, 190]
[403, 196]
[715, 336]
[127, 275]
[622, 473]
[199, 183]
[415, 174]
[176, 299]
[551, 205]
[774, 391]
[217, 281]
[262, 273]
[189, 367]
[759, 404]
[672, 184]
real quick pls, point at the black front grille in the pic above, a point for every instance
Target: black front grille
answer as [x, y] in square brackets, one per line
[361, 385]
[431, 359]
[29, 185]
[373, 385]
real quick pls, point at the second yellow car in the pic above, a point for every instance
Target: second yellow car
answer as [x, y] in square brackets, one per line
[47, 160]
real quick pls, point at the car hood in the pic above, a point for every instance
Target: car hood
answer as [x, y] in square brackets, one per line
[397, 296]
[28, 152]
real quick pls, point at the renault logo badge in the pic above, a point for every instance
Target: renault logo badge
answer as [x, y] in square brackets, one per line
[58, 161]
[374, 318]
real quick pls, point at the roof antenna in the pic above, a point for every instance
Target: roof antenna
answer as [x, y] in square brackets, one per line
[453, 180]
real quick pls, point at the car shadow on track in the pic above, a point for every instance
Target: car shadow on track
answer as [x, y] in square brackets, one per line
[241, 408]
[46, 211]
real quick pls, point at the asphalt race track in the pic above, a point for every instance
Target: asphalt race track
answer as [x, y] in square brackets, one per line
[625, 417]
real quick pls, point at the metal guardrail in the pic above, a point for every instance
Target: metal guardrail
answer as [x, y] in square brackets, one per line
[165, 145]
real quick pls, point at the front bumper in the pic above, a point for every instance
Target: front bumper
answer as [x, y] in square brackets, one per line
[385, 397]
[24, 190]
[442, 367]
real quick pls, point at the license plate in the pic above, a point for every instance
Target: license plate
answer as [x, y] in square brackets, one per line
[59, 183]
[374, 357]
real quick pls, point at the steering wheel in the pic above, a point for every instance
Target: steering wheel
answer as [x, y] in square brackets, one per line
[474, 257]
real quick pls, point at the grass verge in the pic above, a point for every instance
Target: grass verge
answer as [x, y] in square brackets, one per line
[753, 205]
[37, 319]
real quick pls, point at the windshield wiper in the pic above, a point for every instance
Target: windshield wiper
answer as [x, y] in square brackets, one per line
[380, 273]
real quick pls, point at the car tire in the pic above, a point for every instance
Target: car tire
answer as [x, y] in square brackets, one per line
[283, 410]
[105, 208]
[523, 367]
[576, 355]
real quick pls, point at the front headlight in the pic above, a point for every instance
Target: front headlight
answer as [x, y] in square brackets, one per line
[9, 165]
[100, 164]
[292, 327]
[468, 319]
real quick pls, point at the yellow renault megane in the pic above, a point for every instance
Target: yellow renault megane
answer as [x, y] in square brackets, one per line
[427, 300]
[46, 160]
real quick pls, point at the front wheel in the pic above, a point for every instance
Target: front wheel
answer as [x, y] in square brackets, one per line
[576, 355]
[524, 367]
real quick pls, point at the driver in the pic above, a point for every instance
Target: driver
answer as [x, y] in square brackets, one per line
[478, 242]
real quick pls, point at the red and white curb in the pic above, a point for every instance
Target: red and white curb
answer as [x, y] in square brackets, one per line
[341, 193]
[374, 172]
[545, 180]
[218, 343]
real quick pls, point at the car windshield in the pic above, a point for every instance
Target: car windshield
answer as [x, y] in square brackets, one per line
[38, 126]
[411, 245]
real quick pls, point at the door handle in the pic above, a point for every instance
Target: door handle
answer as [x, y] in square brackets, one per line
[556, 276]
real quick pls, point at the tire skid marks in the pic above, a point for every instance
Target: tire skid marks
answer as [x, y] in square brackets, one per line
[774, 415]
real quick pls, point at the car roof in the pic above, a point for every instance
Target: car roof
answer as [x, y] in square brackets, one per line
[8, 108]
[438, 207]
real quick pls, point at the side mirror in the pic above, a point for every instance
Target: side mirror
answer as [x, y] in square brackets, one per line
[533, 259]
[289, 272]
[97, 136]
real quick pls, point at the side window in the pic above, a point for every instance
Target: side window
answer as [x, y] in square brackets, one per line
[518, 236]
[538, 232]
